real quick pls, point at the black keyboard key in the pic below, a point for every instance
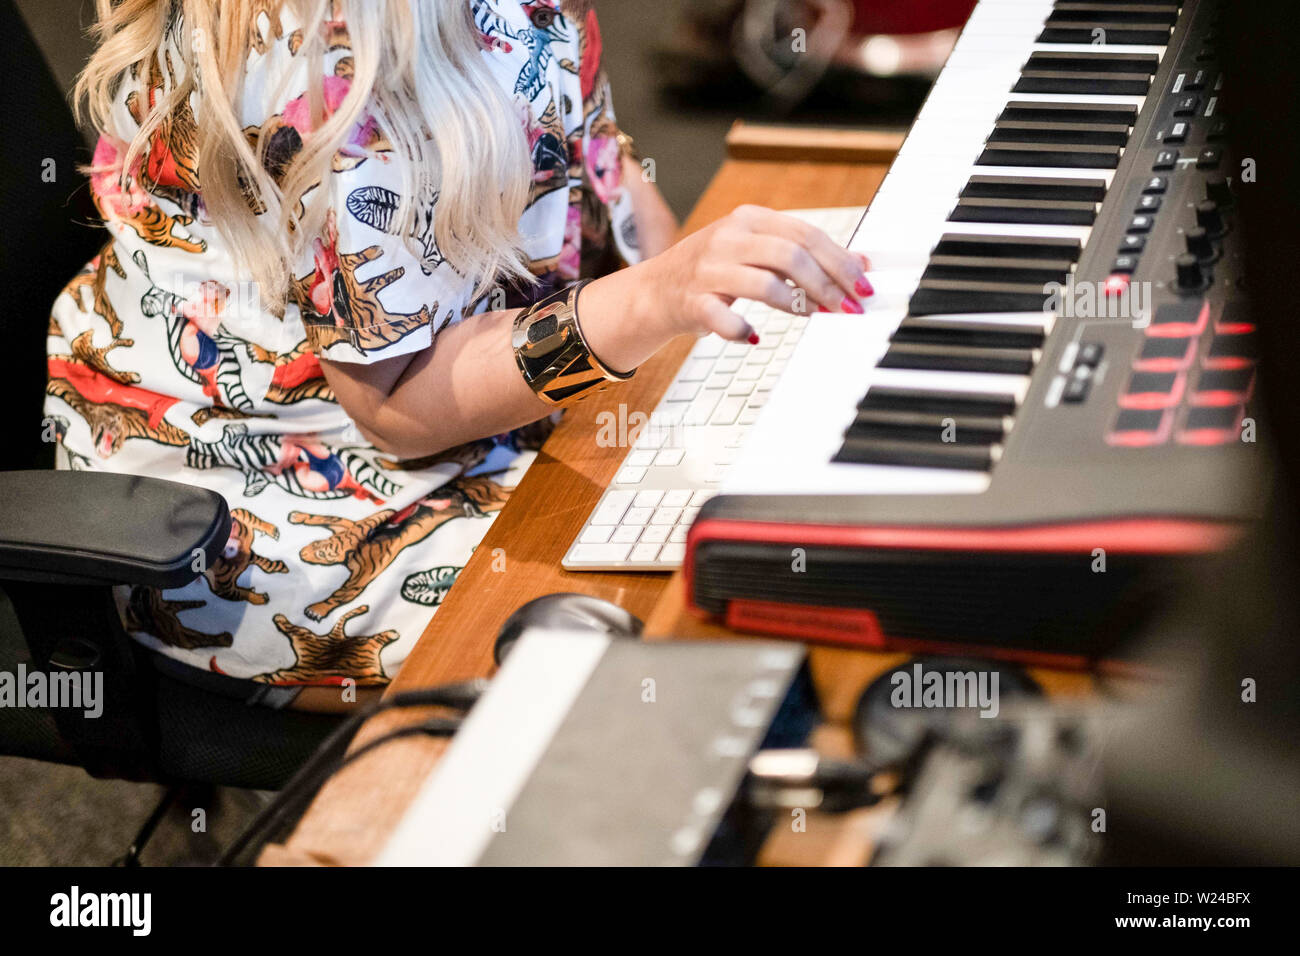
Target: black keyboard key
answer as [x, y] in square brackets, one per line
[1104, 113]
[1045, 189]
[1050, 155]
[1180, 318]
[932, 331]
[1011, 247]
[997, 269]
[877, 451]
[957, 296]
[928, 426]
[1163, 13]
[1116, 34]
[1042, 212]
[1094, 62]
[956, 358]
[950, 403]
[1090, 84]
[1039, 131]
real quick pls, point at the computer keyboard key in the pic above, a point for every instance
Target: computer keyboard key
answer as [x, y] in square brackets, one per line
[625, 534]
[612, 507]
[600, 553]
[673, 553]
[645, 553]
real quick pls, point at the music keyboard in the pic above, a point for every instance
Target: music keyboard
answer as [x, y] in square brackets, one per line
[1057, 345]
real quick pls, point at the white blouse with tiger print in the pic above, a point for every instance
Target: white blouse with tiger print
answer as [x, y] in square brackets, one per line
[163, 363]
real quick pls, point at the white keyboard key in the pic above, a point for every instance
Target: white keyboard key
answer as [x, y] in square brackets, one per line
[630, 476]
[701, 496]
[626, 534]
[655, 534]
[747, 417]
[677, 498]
[719, 380]
[648, 498]
[728, 409]
[673, 553]
[600, 553]
[683, 391]
[645, 553]
[637, 516]
[695, 370]
[666, 516]
[740, 388]
[612, 507]
[640, 457]
[688, 515]
[727, 366]
[670, 457]
[750, 373]
[596, 534]
[702, 407]
[679, 534]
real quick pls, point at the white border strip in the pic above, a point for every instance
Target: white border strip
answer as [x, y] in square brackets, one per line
[450, 822]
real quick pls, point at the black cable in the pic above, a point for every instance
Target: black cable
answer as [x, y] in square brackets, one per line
[328, 759]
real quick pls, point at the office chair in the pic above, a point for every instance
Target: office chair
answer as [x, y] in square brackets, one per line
[66, 537]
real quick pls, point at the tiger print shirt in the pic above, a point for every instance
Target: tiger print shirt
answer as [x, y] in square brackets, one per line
[162, 361]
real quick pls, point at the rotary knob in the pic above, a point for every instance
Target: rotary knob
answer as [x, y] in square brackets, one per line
[1209, 217]
[1199, 244]
[1217, 190]
[1191, 277]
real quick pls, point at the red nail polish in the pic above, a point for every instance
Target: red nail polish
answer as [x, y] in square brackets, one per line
[753, 338]
[822, 308]
[848, 305]
[863, 287]
[866, 263]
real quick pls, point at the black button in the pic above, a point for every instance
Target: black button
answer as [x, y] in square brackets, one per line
[1156, 184]
[1157, 347]
[1133, 243]
[1187, 106]
[1204, 54]
[1076, 389]
[1196, 81]
[1235, 382]
[1090, 354]
[1165, 159]
[1148, 204]
[1209, 158]
[1216, 417]
[1139, 420]
[1125, 264]
[1217, 131]
[1177, 134]
[1140, 224]
[1151, 383]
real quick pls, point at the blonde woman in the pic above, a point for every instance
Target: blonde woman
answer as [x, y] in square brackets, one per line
[345, 285]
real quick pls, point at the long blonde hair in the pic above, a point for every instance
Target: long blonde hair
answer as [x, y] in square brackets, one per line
[418, 70]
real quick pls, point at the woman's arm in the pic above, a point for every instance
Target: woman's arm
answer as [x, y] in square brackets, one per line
[468, 386]
[656, 226]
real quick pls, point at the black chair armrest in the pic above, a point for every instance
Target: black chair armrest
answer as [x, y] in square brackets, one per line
[87, 528]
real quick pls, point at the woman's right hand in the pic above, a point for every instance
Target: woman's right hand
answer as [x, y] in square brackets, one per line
[753, 253]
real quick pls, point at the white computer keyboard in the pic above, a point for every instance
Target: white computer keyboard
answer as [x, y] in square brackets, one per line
[679, 456]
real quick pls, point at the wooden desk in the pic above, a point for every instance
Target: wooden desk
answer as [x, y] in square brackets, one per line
[519, 560]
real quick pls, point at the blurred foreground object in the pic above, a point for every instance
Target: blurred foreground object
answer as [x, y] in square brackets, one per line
[832, 55]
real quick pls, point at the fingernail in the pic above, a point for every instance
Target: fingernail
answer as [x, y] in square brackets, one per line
[753, 338]
[863, 287]
[822, 308]
[849, 305]
[866, 263]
